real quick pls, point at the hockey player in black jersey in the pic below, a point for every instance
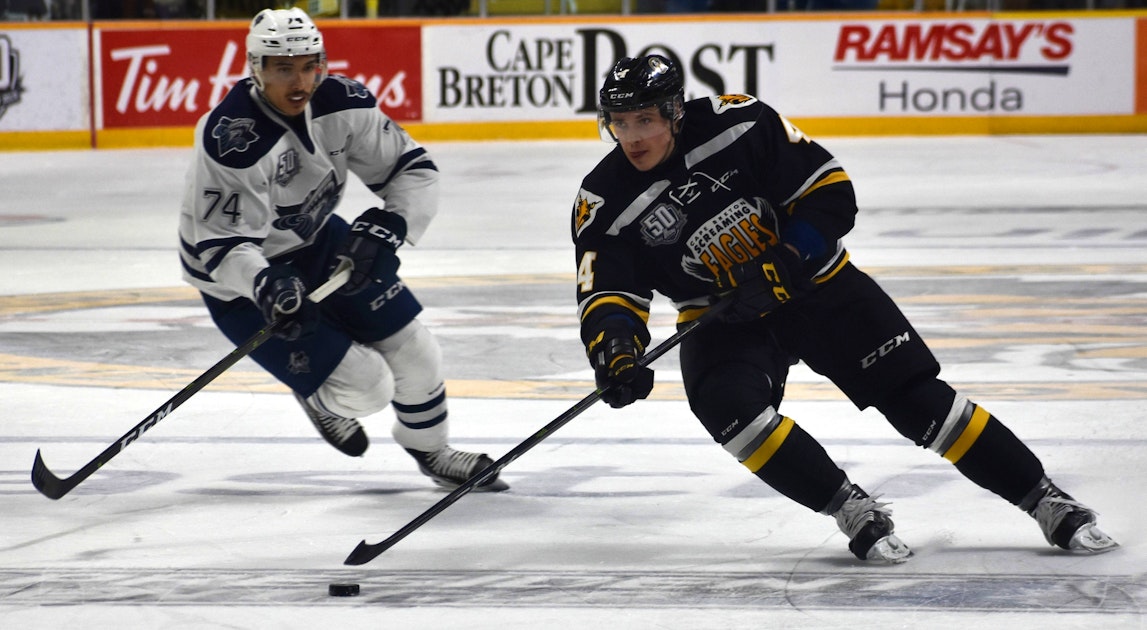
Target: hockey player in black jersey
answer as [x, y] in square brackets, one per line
[257, 228]
[723, 197]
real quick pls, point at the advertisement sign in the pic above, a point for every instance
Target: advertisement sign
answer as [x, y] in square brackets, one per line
[951, 66]
[147, 83]
[171, 75]
[552, 71]
[914, 66]
[44, 79]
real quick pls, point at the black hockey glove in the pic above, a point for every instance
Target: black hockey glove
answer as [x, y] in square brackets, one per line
[372, 246]
[613, 353]
[762, 284]
[281, 294]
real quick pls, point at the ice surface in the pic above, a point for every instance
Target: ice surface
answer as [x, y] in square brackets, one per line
[1021, 259]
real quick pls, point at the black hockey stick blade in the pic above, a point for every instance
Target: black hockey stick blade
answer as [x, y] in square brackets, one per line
[47, 482]
[365, 552]
[54, 487]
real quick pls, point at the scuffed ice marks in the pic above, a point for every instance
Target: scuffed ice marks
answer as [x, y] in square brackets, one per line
[867, 590]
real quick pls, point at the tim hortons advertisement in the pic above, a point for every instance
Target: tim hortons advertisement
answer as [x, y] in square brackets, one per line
[912, 66]
[43, 79]
[169, 76]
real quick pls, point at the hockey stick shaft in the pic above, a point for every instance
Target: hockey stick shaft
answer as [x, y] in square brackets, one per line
[55, 487]
[365, 552]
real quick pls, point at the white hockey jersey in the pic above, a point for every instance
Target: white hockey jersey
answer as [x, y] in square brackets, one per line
[261, 186]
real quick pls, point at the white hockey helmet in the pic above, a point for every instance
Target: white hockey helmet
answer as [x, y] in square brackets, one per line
[283, 33]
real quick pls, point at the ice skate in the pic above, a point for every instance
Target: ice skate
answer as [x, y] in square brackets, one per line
[1068, 524]
[450, 468]
[345, 434]
[868, 525]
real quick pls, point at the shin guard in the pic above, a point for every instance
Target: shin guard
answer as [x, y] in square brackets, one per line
[987, 452]
[781, 454]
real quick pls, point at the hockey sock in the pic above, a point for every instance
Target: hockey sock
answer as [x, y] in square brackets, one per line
[792, 462]
[989, 454]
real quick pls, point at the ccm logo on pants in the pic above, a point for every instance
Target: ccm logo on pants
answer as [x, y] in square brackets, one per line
[885, 348]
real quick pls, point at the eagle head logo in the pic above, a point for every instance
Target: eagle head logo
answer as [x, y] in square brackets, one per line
[585, 209]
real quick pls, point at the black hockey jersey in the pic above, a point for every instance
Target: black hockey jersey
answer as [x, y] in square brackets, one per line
[741, 179]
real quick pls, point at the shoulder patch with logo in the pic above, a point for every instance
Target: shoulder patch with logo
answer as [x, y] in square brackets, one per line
[662, 226]
[585, 209]
[234, 134]
[725, 102]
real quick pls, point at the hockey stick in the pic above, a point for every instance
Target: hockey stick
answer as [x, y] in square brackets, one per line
[54, 487]
[366, 552]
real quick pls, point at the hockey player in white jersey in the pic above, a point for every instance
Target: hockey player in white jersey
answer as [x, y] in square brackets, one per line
[257, 230]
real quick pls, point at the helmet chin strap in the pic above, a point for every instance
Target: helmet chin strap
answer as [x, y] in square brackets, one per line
[669, 150]
[256, 76]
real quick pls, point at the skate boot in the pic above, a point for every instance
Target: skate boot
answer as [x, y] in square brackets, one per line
[1067, 523]
[868, 525]
[450, 468]
[345, 434]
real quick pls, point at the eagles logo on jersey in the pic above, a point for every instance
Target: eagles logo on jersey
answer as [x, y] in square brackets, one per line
[729, 101]
[737, 234]
[585, 209]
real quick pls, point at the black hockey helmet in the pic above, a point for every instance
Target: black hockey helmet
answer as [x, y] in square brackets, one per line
[638, 83]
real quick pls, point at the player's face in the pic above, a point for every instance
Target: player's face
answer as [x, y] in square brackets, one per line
[288, 82]
[645, 136]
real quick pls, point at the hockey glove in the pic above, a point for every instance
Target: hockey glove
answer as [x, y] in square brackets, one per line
[372, 247]
[613, 353]
[762, 284]
[281, 294]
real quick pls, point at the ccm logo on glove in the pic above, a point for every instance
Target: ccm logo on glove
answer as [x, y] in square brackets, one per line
[372, 247]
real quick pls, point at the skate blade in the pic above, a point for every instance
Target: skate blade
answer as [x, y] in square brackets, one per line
[1091, 539]
[889, 550]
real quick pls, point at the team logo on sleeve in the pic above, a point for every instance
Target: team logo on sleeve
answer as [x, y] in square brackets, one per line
[234, 134]
[730, 101]
[299, 363]
[354, 89]
[585, 209]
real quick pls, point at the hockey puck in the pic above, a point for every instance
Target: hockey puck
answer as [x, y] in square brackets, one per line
[343, 590]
